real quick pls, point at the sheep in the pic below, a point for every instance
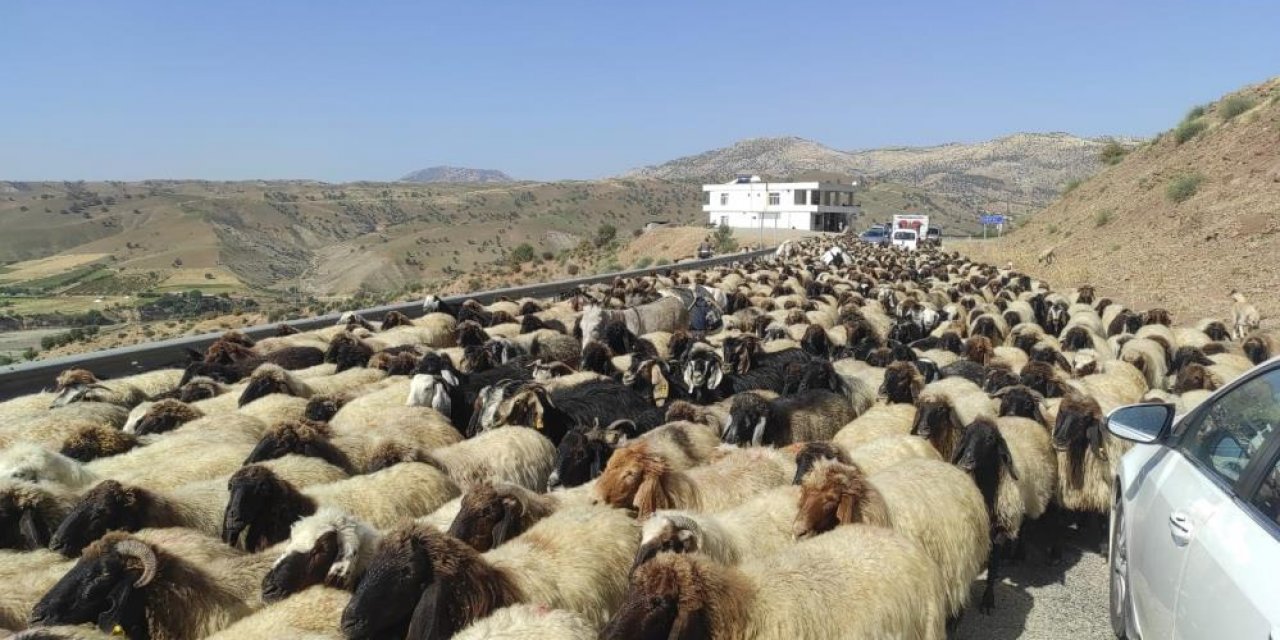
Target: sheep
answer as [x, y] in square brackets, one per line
[262, 505]
[554, 410]
[308, 615]
[160, 416]
[492, 513]
[329, 547]
[1261, 346]
[809, 415]
[759, 527]
[111, 505]
[1214, 329]
[271, 378]
[647, 483]
[928, 501]
[434, 585]
[805, 591]
[944, 407]
[53, 427]
[352, 449]
[1046, 257]
[1148, 357]
[143, 590]
[1012, 463]
[506, 454]
[529, 622]
[1086, 455]
[878, 422]
[80, 385]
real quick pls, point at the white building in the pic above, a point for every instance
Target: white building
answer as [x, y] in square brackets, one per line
[749, 201]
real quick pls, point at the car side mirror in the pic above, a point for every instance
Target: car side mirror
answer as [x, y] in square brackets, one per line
[1141, 423]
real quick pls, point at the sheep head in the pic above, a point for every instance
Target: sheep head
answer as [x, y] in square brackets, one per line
[301, 437]
[935, 421]
[583, 455]
[1196, 376]
[668, 531]
[347, 351]
[1042, 378]
[395, 319]
[93, 442]
[983, 453]
[811, 453]
[1256, 349]
[471, 334]
[1079, 426]
[260, 508]
[108, 506]
[668, 599]
[999, 378]
[27, 514]
[269, 379]
[703, 373]
[395, 363]
[528, 406]
[421, 583]
[902, 383]
[598, 357]
[649, 377]
[322, 408]
[636, 478]
[1020, 401]
[163, 416]
[200, 389]
[491, 514]
[544, 371]
[329, 547]
[830, 495]
[748, 419]
[106, 587]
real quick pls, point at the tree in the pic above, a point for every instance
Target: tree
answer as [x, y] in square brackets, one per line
[522, 254]
[724, 240]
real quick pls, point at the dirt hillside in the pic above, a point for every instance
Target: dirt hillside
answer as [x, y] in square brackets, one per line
[1178, 222]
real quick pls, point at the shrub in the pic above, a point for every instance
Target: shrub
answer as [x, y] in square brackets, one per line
[1052, 229]
[30, 353]
[662, 262]
[644, 262]
[1101, 218]
[724, 240]
[1194, 113]
[6, 360]
[1183, 187]
[522, 254]
[573, 269]
[605, 234]
[1112, 153]
[1071, 185]
[1189, 129]
[547, 256]
[1234, 106]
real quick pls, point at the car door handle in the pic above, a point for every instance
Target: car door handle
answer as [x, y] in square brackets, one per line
[1180, 528]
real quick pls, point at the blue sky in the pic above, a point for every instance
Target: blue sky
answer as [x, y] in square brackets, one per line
[548, 89]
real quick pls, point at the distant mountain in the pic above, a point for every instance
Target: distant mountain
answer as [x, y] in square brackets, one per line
[456, 174]
[1028, 169]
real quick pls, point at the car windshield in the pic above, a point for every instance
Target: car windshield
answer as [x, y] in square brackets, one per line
[904, 235]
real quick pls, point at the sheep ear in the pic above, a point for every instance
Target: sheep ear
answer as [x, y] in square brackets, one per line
[661, 390]
[1007, 459]
[690, 625]
[431, 618]
[688, 541]
[449, 377]
[1095, 441]
[715, 377]
[757, 434]
[507, 527]
[34, 532]
[441, 401]
[844, 510]
[688, 376]
[119, 596]
[652, 494]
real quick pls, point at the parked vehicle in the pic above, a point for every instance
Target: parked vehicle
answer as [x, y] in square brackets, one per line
[874, 235]
[1195, 528]
[906, 238]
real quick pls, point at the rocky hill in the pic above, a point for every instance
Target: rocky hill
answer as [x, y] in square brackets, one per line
[1186, 217]
[457, 175]
[1025, 171]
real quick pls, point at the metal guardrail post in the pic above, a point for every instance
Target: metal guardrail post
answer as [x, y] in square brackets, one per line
[31, 377]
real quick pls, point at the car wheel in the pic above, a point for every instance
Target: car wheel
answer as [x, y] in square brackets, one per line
[1118, 564]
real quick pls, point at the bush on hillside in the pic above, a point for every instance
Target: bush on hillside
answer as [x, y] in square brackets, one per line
[724, 240]
[1183, 187]
[644, 262]
[1113, 153]
[605, 234]
[1189, 129]
[1071, 185]
[1234, 106]
[1194, 113]
[522, 254]
[1101, 218]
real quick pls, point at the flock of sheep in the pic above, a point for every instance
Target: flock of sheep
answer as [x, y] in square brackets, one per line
[850, 449]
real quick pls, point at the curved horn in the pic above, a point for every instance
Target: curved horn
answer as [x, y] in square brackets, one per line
[144, 553]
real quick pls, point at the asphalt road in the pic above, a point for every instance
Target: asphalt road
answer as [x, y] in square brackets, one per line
[1042, 602]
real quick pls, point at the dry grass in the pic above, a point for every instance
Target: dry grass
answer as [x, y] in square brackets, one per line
[47, 267]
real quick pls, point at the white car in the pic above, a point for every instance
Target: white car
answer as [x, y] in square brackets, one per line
[905, 238]
[1195, 528]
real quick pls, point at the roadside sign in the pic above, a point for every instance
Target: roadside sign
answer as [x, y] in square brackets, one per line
[991, 219]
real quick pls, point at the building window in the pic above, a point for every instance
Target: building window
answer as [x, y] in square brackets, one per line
[706, 197]
[800, 196]
[775, 198]
[724, 199]
[815, 197]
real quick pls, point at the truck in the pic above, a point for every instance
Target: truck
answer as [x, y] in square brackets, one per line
[910, 230]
